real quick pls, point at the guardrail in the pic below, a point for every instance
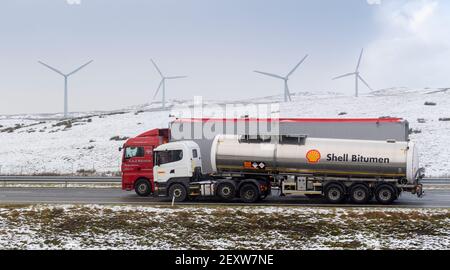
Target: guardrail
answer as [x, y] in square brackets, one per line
[60, 180]
[436, 181]
[114, 179]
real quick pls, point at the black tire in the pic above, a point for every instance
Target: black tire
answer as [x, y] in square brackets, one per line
[385, 194]
[226, 191]
[334, 193]
[143, 188]
[179, 192]
[249, 193]
[360, 194]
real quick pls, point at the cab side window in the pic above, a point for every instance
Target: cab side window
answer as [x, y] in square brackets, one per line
[164, 157]
[131, 152]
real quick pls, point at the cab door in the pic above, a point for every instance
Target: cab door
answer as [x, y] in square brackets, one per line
[171, 164]
[138, 161]
[196, 159]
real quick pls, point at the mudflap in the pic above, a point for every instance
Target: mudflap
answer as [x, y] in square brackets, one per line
[419, 191]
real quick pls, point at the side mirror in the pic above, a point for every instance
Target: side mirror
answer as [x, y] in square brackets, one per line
[120, 149]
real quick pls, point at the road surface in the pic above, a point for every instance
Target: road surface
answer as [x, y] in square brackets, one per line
[434, 198]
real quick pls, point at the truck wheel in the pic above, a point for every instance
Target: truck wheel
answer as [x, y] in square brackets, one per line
[334, 193]
[249, 193]
[360, 194]
[385, 194]
[178, 191]
[226, 191]
[143, 188]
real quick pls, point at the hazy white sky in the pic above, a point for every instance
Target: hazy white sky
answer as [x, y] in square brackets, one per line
[217, 43]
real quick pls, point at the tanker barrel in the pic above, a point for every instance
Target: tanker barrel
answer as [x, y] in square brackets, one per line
[315, 156]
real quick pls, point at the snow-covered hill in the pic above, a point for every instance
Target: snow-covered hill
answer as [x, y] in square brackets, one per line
[42, 144]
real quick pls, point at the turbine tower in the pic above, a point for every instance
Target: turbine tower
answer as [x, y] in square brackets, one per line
[66, 76]
[163, 84]
[357, 76]
[287, 94]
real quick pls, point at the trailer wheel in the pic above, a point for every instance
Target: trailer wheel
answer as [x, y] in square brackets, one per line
[143, 188]
[385, 194]
[226, 191]
[179, 192]
[360, 194]
[334, 193]
[249, 193]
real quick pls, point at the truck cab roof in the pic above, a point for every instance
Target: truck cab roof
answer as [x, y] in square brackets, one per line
[151, 137]
[177, 146]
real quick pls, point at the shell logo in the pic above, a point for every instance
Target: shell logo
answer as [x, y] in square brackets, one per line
[313, 156]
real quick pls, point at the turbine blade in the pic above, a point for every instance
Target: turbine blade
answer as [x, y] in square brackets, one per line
[176, 77]
[270, 74]
[295, 68]
[78, 69]
[52, 68]
[159, 87]
[345, 75]
[157, 68]
[359, 60]
[368, 86]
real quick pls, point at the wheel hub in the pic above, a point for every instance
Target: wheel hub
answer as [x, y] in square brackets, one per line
[385, 195]
[177, 193]
[334, 194]
[226, 191]
[142, 188]
[359, 194]
[249, 194]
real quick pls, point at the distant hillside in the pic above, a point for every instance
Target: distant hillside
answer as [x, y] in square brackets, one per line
[42, 144]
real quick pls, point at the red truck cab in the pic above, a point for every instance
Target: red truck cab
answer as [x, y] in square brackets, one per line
[137, 161]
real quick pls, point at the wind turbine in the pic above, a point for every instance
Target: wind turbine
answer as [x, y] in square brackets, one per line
[163, 84]
[287, 94]
[357, 76]
[66, 76]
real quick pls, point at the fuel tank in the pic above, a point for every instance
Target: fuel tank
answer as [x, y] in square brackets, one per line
[315, 156]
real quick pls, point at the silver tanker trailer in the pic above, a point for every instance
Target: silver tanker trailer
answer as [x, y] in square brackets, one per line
[248, 167]
[203, 130]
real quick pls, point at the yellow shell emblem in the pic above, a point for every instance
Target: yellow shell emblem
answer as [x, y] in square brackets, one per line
[313, 156]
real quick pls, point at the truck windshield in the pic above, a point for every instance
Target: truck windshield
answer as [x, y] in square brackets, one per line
[164, 157]
[131, 152]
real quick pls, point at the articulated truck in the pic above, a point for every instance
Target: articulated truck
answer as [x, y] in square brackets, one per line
[247, 167]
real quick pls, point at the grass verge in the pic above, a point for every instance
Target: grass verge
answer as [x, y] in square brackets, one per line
[218, 227]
